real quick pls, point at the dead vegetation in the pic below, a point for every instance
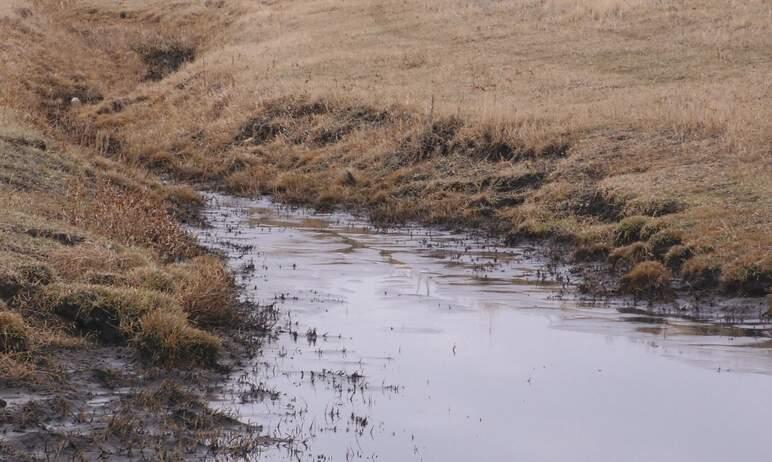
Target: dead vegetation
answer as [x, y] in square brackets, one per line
[13, 333]
[575, 121]
[648, 278]
[94, 249]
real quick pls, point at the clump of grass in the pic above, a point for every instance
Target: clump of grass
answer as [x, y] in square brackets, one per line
[630, 254]
[183, 196]
[676, 256]
[151, 277]
[629, 230]
[152, 321]
[649, 278]
[753, 279]
[255, 180]
[167, 338]
[75, 263]
[347, 178]
[206, 291]
[14, 334]
[653, 206]
[649, 229]
[662, 241]
[591, 252]
[131, 217]
[113, 313]
[702, 272]
[24, 276]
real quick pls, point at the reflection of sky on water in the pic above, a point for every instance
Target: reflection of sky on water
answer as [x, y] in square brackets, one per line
[466, 356]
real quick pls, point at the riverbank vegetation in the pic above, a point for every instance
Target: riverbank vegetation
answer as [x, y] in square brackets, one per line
[638, 132]
[554, 119]
[91, 248]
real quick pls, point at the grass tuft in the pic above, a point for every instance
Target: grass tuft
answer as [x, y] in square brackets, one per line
[166, 338]
[676, 256]
[649, 278]
[662, 241]
[14, 334]
[206, 291]
[111, 313]
[630, 254]
[629, 230]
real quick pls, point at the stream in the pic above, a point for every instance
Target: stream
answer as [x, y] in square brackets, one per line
[421, 344]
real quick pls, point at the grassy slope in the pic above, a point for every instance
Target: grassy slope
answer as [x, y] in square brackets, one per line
[88, 243]
[558, 118]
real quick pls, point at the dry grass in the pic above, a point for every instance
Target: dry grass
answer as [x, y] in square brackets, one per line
[77, 230]
[649, 278]
[554, 118]
[132, 218]
[168, 339]
[13, 333]
[206, 291]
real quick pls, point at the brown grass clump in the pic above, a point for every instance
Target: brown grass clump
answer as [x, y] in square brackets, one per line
[630, 254]
[206, 291]
[129, 217]
[151, 277]
[648, 278]
[75, 264]
[650, 228]
[26, 276]
[151, 321]
[662, 241]
[676, 256]
[166, 338]
[111, 313]
[753, 280]
[702, 272]
[629, 230]
[593, 252]
[13, 332]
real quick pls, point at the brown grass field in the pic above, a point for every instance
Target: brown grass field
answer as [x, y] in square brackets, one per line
[640, 132]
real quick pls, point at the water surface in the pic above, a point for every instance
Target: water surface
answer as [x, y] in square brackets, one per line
[416, 344]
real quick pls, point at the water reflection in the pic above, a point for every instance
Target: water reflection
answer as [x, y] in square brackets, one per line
[412, 344]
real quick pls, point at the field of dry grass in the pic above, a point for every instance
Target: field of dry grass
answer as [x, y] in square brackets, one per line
[577, 120]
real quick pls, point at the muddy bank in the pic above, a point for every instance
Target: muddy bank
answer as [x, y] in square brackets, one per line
[422, 344]
[103, 402]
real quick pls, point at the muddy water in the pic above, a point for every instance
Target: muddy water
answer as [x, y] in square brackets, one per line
[414, 344]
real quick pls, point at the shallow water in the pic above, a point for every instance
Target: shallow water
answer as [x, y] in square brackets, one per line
[436, 346]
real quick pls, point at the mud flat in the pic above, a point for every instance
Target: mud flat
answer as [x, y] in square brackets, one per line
[420, 344]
